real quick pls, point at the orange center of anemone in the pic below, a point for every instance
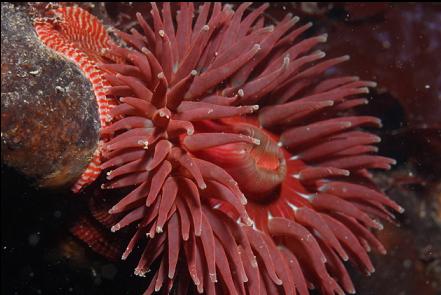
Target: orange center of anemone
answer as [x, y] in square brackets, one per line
[259, 169]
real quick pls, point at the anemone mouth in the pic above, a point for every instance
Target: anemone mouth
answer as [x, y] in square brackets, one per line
[258, 168]
[269, 162]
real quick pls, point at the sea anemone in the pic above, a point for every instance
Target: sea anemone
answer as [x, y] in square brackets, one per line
[241, 162]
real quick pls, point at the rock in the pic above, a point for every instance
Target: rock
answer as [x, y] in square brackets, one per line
[49, 118]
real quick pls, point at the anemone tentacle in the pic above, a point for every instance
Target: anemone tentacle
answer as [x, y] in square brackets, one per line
[247, 172]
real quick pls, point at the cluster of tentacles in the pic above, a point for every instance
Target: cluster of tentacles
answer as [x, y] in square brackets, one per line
[245, 171]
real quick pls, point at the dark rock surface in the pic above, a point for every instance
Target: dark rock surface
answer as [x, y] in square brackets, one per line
[49, 115]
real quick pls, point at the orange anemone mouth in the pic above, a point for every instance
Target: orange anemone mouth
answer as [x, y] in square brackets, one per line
[259, 167]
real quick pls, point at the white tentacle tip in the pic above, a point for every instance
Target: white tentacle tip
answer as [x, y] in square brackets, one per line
[323, 38]
[248, 221]
[379, 122]
[140, 272]
[286, 61]
[213, 277]
[269, 29]
[364, 90]
[320, 54]
[144, 144]
[379, 225]
[254, 262]
[323, 188]
[372, 84]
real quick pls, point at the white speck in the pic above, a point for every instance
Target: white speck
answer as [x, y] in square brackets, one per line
[36, 72]
[61, 89]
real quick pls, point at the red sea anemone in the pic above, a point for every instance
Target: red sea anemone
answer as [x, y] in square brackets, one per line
[245, 170]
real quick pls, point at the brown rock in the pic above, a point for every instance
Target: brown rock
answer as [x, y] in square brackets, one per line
[49, 118]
